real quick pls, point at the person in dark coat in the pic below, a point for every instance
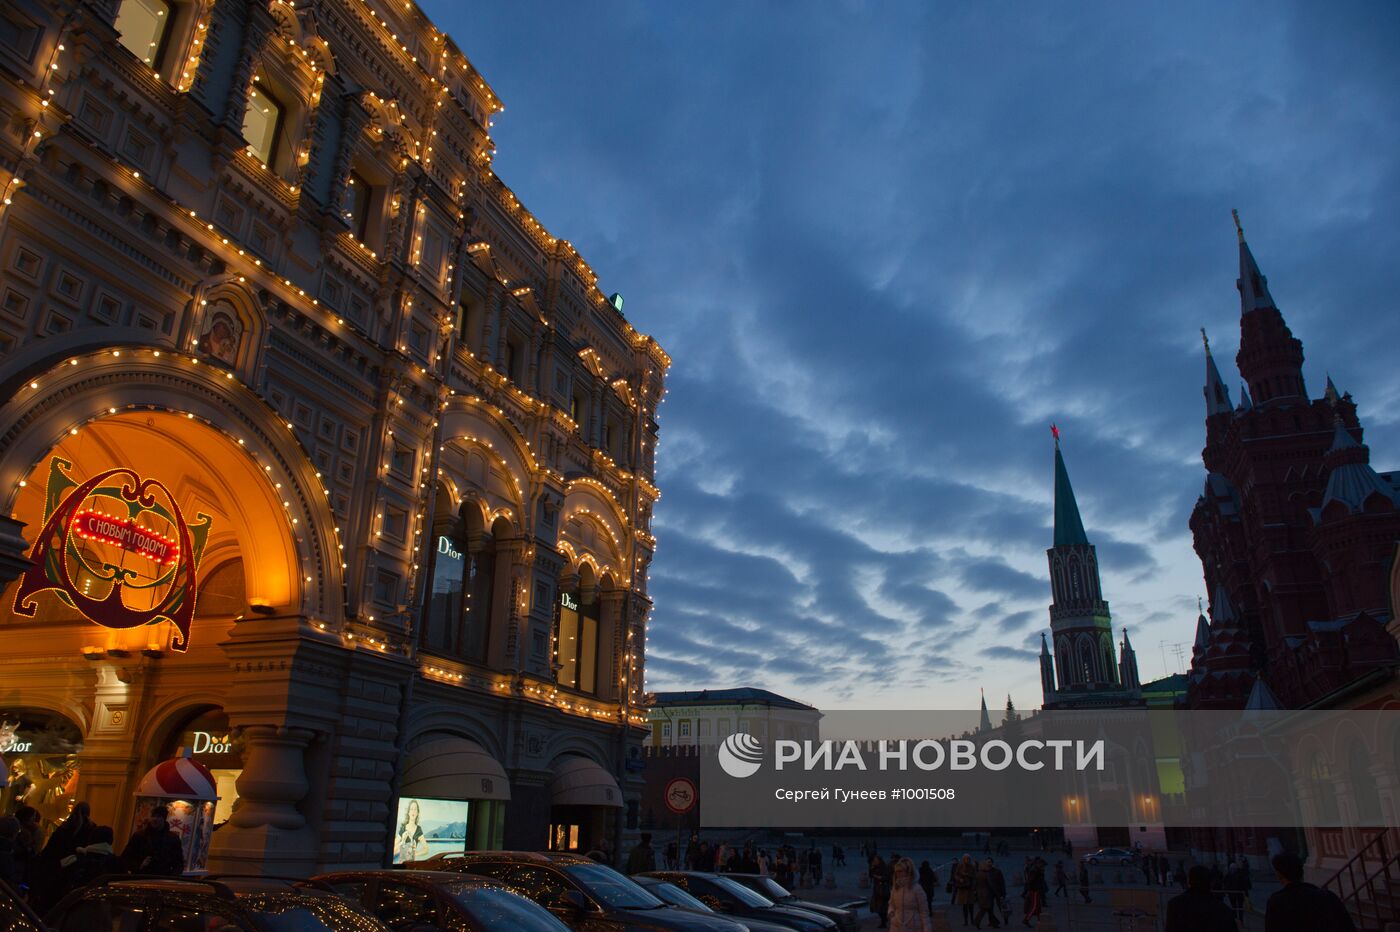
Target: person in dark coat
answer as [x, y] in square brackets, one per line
[1300, 906]
[928, 880]
[1034, 890]
[998, 881]
[1084, 881]
[90, 861]
[45, 884]
[985, 895]
[28, 843]
[642, 857]
[1061, 879]
[1199, 909]
[880, 889]
[9, 864]
[154, 848]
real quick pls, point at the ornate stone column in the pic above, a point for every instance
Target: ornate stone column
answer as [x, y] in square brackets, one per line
[611, 644]
[273, 780]
[286, 695]
[503, 641]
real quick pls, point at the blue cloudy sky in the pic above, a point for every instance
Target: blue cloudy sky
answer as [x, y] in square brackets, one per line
[887, 244]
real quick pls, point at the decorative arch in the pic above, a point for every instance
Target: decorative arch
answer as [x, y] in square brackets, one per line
[91, 388]
[451, 720]
[593, 529]
[1087, 666]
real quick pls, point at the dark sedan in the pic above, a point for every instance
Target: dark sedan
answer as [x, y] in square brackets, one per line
[586, 895]
[674, 895]
[845, 919]
[229, 904]
[422, 900]
[739, 902]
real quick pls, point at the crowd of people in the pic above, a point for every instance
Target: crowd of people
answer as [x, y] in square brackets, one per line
[78, 851]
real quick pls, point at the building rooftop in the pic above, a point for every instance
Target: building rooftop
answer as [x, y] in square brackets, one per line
[741, 695]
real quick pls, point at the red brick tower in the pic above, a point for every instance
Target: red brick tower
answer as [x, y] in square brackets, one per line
[1294, 529]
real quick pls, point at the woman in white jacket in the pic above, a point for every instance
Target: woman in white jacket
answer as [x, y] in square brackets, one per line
[908, 905]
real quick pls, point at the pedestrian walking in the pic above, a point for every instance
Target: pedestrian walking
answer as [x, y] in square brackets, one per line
[1300, 906]
[928, 880]
[879, 889]
[984, 894]
[1199, 909]
[998, 881]
[1033, 892]
[1084, 881]
[964, 886]
[154, 848]
[692, 853]
[1061, 879]
[906, 909]
[1233, 887]
[642, 858]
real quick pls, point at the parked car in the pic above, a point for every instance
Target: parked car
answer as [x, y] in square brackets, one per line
[845, 919]
[229, 904]
[674, 895]
[15, 914]
[586, 895]
[409, 899]
[737, 901]
[1110, 856]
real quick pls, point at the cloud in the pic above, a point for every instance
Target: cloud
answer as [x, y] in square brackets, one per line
[887, 244]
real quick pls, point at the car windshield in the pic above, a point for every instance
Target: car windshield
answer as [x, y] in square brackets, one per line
[611, 888]
[742, 893]
[296, 912]
[500, 909]
[676, 896]
[771, 888]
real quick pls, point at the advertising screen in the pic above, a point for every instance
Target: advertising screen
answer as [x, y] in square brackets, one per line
[426, 827]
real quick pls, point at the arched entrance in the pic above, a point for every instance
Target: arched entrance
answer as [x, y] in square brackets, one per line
[268, 558]
[212, 441]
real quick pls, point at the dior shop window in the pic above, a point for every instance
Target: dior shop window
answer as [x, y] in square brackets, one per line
[459, 601]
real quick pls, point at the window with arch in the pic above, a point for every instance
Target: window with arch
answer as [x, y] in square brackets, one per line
[458, 614]
[577, 644]
[1086, 661]
[1363, 785]
[1106, 647]
[1324, 791]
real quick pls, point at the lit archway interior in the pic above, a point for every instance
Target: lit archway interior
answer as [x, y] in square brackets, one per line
[249, 558]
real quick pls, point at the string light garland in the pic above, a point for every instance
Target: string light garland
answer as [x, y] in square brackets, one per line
[525, 408]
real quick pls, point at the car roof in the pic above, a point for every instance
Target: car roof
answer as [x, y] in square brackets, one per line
[562, 858]
[411, 875]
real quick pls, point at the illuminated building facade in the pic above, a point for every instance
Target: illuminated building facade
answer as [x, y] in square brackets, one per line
[257, 253]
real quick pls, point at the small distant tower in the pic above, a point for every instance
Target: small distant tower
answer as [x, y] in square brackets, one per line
[1086, 673]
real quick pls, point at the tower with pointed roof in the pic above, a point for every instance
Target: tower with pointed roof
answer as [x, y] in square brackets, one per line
[1294, 529]
[1085, 671]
